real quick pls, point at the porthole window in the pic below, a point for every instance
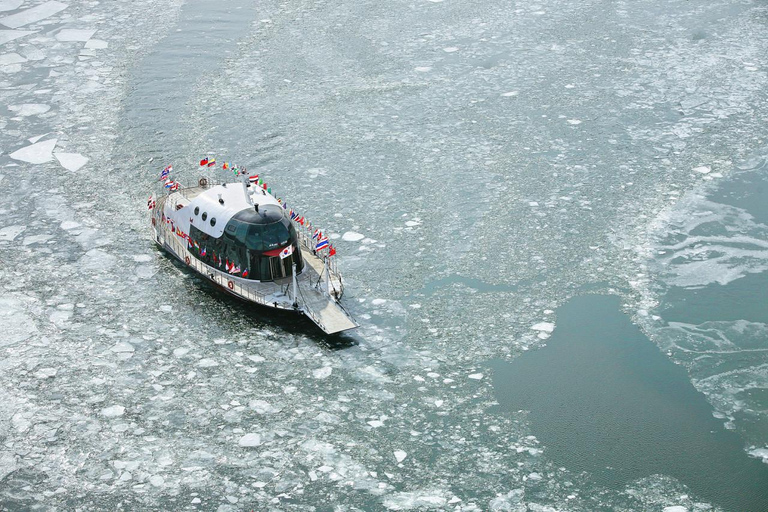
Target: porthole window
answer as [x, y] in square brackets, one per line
[213, 221]
[205, 215]
[197, 210]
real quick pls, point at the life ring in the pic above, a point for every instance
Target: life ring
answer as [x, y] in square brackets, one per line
[203, 182]
[231, 285]
[186, 260]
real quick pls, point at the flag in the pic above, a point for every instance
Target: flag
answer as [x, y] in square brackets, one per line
[175, 186]
[285, 206]
[245, 273]
[301, 221]
[332, 252]
[150, 203]
[235, 269]
[254, 178]
[202, 253]
[293, 215]
[315, 234]
[225, 165]
[165, 172]
[204, 161]
[322, 244]
[286, 252]
[168, 183]
[211, 162]
[264, 186]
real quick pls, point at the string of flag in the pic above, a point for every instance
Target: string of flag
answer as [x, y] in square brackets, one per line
[317, 240]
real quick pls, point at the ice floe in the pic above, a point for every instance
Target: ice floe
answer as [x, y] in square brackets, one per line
[10, 35]
[10, 59]
[71, 161]
[10, 5]
[250, 440]
[352, 236]
[71, 34]
[400, 455]
[29, 109]
[33, 14]
[37, 153]
[113, 411]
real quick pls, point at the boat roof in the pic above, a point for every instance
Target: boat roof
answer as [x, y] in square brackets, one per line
[222, 202]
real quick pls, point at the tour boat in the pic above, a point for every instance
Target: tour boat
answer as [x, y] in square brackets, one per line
[249, 243]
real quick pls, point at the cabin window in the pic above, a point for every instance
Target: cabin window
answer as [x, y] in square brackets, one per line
[205, 215]
[197, 210]
[213, 221]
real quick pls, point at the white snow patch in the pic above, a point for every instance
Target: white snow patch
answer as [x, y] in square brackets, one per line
[113, 411]
[250, 440]
[32, 15]
[29, 109]
[352, 236]
[38, 153]
[71, 34]
[71, 161]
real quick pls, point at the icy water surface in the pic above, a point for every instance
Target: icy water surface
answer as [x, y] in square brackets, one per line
[477, 165]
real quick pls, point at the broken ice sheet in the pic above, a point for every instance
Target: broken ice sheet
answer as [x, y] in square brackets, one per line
[71, 34]
[10, 35]
[38, 153]
[9, 5]
[32, 15]
[29, 109]
[71, 161]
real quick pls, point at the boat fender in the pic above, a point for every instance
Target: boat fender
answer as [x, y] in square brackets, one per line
[231, 285]
[186, 260]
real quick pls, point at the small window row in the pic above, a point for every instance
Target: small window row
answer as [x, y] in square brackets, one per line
[205, 216]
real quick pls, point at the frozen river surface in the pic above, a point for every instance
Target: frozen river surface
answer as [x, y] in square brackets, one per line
[481, 167]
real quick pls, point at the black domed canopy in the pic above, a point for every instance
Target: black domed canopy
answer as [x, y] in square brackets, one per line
[263, 230]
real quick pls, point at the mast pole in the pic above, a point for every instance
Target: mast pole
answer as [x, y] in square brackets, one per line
[293, 277]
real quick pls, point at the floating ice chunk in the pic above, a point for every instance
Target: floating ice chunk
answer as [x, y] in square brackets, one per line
[262, 407]
[9, 233]
[375, 423]
[46, 373]
[322, 373]
[351, 236]
[450, 49]
[412, 223]
[417, 500]
[32, 15]
[29, 109]
[439, 403]
[475, 376]
[36, 138]
[543, 327]
[510, 94]
[760, 453]
[436, 1]
[71, 161]
[113, 411]
[11, 58]
[414, 306]
[534, 476]
[256, 359]
[37, 153]
[533, 203]
[675, 508]
[123, 347]
[574, 121]
[250, 440]
[96, 44]
[378, 302]
[207, 363]
[422, 69]
[702, 169]
[71, 34]
[180, 352]
[400, 455]
[10, 5]
[10, 35]
[156, 480]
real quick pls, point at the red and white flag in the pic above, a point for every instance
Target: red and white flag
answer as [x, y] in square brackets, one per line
[286, 252]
